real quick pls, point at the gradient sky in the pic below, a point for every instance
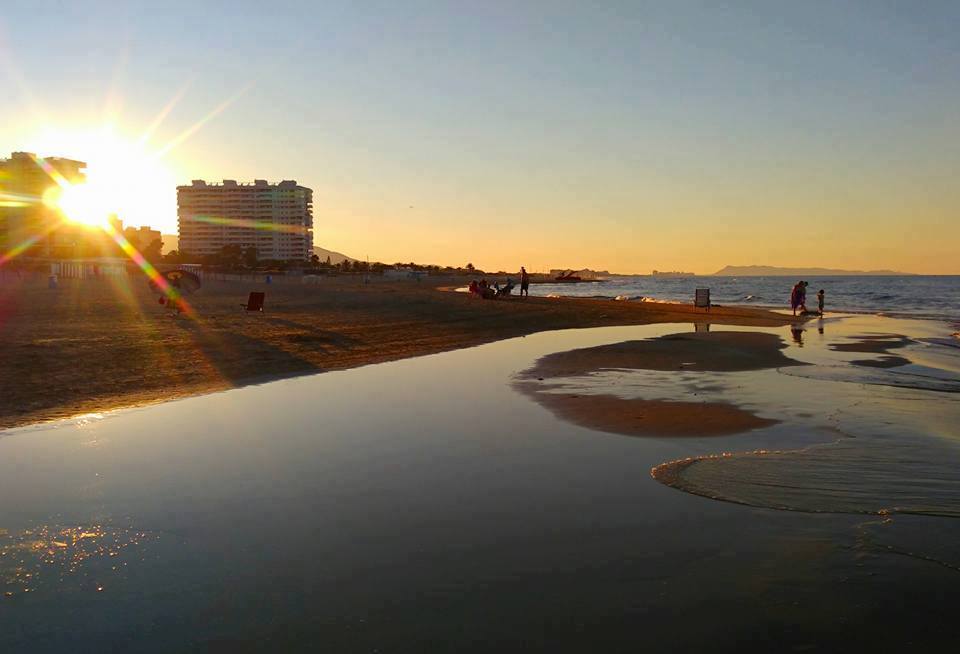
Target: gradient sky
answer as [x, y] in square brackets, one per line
[673, 135]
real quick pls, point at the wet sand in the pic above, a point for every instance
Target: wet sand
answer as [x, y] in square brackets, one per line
[716, 351]
[638, 417]
[705, 351]
[96, 345]
[875, 344]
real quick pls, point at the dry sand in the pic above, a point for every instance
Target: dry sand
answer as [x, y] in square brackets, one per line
[704, 351]
[94, 345]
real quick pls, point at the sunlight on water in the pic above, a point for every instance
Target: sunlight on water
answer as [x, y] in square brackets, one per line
[48, 557]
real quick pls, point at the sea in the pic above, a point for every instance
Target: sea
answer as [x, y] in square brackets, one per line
[917, 296]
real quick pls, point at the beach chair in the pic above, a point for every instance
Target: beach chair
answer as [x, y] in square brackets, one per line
[254, 302]
[701, 298]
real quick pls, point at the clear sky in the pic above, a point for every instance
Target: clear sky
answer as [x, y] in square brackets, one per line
[623, 136]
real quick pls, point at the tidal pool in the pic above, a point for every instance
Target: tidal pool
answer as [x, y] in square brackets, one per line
[426, 505]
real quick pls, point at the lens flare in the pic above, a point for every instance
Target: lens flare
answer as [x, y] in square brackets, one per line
[80, 204]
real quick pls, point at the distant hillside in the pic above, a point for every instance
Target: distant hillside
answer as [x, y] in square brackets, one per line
[775, 271]
[335, 257]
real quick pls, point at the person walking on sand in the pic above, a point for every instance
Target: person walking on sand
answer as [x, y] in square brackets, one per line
[820, 295]
[524, 282]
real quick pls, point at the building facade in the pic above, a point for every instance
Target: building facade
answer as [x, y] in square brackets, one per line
[24, 217]
[276, 219]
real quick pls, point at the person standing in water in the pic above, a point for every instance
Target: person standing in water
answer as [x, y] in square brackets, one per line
[798, 297]
[524, 282]
[820, 295]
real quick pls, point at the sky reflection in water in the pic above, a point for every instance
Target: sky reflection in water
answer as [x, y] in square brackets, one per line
[424, 504]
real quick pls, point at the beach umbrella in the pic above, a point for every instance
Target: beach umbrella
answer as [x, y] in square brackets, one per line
[183, 280]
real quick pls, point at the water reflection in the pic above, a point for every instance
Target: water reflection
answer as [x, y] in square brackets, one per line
[425, 505]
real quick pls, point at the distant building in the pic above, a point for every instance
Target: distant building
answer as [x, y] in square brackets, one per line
[24, 218]
[143, 237]
[276, 219]
[672, 273]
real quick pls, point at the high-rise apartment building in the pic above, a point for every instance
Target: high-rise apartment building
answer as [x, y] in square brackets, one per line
[276, 219]
[24, 218]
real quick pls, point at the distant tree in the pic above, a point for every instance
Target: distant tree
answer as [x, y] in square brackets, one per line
[153, 251]
[230, 256]
[470, 267]
[328, 261]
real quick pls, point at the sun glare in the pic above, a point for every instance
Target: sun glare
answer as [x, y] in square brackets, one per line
[122, 178]
[79, 204]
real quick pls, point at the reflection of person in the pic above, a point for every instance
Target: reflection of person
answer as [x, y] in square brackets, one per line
[820, 295]
[797, 333]
[524, 282]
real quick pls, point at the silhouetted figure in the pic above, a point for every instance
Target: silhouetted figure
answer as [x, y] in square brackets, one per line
[798, 297]
[820, 295]
[524, 282]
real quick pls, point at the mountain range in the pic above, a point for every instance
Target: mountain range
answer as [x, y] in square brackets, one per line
[335, 257]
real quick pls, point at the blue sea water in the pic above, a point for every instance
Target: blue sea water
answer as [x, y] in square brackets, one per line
[922, 296]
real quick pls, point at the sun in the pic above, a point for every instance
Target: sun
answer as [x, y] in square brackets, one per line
[123, 178]
[80, 204]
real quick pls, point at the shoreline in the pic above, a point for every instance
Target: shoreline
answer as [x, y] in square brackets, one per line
[144, 356]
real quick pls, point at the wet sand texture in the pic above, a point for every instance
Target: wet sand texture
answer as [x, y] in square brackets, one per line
[876, 344]
[638, 417]
[709, 351]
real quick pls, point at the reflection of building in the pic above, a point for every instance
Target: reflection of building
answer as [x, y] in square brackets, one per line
[276, 219]
[24, 178]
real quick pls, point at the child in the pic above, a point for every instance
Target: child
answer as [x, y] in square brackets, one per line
[820, 301]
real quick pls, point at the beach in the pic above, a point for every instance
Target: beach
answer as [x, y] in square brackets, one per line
[97, 345]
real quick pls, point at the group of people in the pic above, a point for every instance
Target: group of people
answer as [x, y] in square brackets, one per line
[798, 299]
[484, 289]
